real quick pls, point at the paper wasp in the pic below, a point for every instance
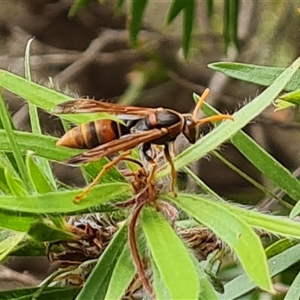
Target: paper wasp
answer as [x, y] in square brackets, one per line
[145, 126]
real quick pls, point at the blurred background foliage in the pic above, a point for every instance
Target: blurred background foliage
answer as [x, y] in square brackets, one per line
[84, 48]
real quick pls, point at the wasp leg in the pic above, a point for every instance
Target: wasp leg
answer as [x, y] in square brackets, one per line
[150, 178]
[173, 170]
[134, 249]
[108, 166]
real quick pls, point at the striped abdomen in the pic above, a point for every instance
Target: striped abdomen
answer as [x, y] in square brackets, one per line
[92, 134]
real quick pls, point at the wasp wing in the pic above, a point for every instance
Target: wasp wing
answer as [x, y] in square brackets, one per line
[92, 106]
[126, 142]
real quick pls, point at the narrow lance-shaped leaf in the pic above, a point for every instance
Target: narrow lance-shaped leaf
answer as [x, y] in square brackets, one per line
[263, 161]
[10, 243]
[294, 290]
[233, 230]
[188, 24]
[287, 100]
[275, 224]
[243, 284]
[47, 294]
[43, 145]
[122, 275]
[43, 232]
[16, 186]
[34, 116]
[136, 17]
[45, 98]
[175, 266]
[96, 285]
[262, 75]
[77, 6]
[38, 179]
[62, 202]
[5, 118]
[228, 128]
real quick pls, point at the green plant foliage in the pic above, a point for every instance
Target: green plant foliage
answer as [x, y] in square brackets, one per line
[62, 202]
[43, 232]
[77, 6]
[288, 100]
[188, 8]
[122, 275]
[97, 283]
[230, 30]
[294, 291]
[261, 75]
[32, 208]
[222, 133]
[176, 269]
[136, 16]
[243, 284]
[234, 231]
[38, 179]
[47, 294]
[16, 186]
[10, 243]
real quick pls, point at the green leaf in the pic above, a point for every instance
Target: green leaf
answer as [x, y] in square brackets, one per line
[267, 164]
[47, 294]
[226, 25]
[27, 59]
[230, 26]
[281, 104]
[188, 8]
[293, 97]
[188, 24]
[43, 145]
[275, 224]
[97, 283]
[280, 246]
[5, 118]
[119, 6]
[10, 243]
[45, 98]
[263, 161]
[294, 290]
[136, 16]
[15, 221]
[176, 7]
[228, 128]
[77, 6]
[209, 8]
[243, 284]
[38, 178]
[42, 232]
[287, 100]
[34, 116]
[62, 202]
[122, 275]
[175, 266]
[29, 247]
[159, 287]
[231, 229]
[261, 75]
[16, 186]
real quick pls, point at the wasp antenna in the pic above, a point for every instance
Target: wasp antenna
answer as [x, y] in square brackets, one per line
[215, 118]
[200, 102]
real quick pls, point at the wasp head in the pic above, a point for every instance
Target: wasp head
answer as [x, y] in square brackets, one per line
[192, 122]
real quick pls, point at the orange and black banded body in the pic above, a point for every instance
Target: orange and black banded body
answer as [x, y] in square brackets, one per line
[92, 134]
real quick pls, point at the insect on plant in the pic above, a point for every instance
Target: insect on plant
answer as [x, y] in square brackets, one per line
[145, 126]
